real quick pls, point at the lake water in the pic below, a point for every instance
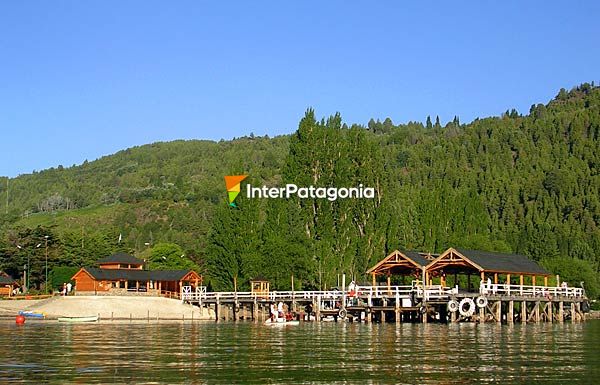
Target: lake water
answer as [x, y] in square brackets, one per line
[324, 353]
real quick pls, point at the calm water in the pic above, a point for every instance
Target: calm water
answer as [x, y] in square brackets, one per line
[228, 353]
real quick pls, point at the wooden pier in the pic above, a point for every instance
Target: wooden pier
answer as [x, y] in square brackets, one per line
[500, 303]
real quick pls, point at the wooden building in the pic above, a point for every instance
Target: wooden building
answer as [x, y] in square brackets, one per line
[498, 267]
[123, 274]
[406, 263]
[7, 285]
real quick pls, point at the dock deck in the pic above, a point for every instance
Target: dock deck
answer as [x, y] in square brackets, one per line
[410, 303]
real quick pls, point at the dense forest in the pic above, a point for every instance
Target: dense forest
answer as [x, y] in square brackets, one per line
[528, 184]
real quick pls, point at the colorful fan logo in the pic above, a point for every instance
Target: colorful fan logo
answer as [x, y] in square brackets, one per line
[232, 182]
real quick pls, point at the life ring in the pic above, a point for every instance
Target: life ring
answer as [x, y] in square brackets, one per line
[342, 313]
[452, 306]
[466, 307]
[423, 309]
[481, 301]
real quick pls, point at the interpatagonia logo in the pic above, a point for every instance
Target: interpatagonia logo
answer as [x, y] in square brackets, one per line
[311, 192]
[232, 182]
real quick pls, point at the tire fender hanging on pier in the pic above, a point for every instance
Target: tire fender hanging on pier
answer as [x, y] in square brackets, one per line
[452, 306]
[466, 307]
[342, 313]
[481, 301]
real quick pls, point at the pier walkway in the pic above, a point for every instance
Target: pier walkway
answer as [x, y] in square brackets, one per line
[493, 302]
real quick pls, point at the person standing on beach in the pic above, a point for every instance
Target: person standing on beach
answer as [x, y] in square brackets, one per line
[69, 287]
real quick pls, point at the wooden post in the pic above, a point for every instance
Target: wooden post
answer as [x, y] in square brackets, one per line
[537, 312]
[217, 310]
[573, 313]
[508, 279]
[561, 312]
[495, 278]
[499, 311]
[550, 312]
[521, 279]
[511, 312]
[545, 280]
[524, 312]
[373, 278]
[481, 314]
[389, 284]
[318, 309]
[533, 280]
[483, 276]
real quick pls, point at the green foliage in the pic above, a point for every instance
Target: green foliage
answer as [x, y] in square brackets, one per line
[60, 275]
[573, 271]
[169, 256]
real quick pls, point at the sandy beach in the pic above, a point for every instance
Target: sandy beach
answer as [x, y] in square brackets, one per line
[107, 307]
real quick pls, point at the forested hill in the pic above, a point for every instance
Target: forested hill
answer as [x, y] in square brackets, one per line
[526, 184]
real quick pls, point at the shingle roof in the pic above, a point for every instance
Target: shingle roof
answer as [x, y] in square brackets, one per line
[416, 257]
[136, 275]
[509, 263]
[121, 258]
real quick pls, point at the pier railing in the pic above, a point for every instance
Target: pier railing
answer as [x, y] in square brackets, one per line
[413, 292]
[532, 291]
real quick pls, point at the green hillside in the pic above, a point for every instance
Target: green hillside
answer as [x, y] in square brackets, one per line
[521, 183]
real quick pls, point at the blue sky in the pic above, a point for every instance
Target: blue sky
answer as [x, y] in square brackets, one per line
[83, 79]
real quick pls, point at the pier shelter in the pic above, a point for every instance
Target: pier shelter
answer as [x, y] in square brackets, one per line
[123, 274]
[485, 265]
[406, 263]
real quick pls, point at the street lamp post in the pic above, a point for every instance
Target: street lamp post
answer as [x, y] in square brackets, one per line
[46, 284]
[25, 270]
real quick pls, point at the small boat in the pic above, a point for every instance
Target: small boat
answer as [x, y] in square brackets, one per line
[31, 314]
[93, 318]
[281, 322]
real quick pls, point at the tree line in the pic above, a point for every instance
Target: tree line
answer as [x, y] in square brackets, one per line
[527, 184]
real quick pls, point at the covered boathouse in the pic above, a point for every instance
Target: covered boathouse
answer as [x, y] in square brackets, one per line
[123, 274]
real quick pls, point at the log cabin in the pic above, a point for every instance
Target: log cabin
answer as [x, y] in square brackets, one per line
[123, 274]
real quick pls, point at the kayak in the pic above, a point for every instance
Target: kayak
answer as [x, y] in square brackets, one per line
[31, 314]
[281, 322]
[93, 318]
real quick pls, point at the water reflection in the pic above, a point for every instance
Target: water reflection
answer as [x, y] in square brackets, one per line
[228, 353]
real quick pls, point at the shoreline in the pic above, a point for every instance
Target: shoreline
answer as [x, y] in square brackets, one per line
[107, 308]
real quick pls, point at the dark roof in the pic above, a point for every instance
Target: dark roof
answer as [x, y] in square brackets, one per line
[5, 280]
[136, 275]
[508, 263]
[417, 257]
[259, 278]
[121, 258]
